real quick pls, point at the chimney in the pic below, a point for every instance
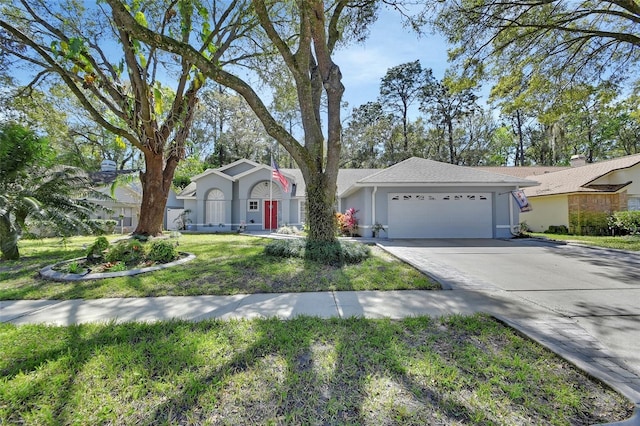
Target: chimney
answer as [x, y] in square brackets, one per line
[578, 160]
[108, 166]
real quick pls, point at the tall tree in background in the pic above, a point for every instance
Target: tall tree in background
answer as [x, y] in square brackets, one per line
[625, 123]
[302, 36]
[534, 48]
[585, 113]
[518, 99]
[365, 136]
[400, 88]
[285, 107]
[225, 129]
[110, 71]
[212, 115]
[447, 102]
[476, 137]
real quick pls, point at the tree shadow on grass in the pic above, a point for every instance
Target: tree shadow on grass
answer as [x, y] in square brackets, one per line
[302, 371]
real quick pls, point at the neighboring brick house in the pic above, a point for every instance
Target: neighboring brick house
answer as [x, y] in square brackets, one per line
[582, 197]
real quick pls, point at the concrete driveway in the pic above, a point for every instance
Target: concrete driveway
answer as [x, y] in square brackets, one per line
[599, 289]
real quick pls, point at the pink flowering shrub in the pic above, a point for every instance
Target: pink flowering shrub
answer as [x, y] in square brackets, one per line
[347, 222]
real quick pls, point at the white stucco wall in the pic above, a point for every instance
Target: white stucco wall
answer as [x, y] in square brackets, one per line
[363, 200]
[547, 211]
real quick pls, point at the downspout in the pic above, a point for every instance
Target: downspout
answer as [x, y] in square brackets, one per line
[373, 207]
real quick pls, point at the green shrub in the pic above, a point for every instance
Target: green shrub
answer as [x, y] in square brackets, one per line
[328, 253]
[285, 248]
[162, 251]
[74, 267]
[128, 251]
[336, 253]
[589, 223]
[626, 222]
[118, 267]
[354, 252]
[288, 230]
[97, 249]
[557, 229]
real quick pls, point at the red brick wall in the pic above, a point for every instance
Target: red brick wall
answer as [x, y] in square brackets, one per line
[588, 213]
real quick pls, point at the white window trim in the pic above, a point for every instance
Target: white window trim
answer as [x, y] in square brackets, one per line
[257, 209]
[302, 211]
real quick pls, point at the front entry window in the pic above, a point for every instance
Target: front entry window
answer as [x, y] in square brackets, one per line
[215, 208]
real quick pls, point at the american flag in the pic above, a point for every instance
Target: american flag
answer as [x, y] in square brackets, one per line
[279, 176]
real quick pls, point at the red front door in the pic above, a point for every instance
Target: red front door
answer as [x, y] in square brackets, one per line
[270, 215]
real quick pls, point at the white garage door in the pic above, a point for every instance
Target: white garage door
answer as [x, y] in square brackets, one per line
[446, 215]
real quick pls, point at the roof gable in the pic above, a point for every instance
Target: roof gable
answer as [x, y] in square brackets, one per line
[239, 167]
[209, 172]
[582, 179]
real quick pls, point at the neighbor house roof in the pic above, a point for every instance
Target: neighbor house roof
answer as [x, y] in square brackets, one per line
[582, 179]
[189, 191]
[522, 171]
[107, 177]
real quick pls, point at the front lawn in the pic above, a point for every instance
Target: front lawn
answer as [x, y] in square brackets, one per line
[628, 242]
[418, 371]
[225, 264]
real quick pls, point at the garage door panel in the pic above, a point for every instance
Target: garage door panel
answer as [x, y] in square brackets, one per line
[440, 215]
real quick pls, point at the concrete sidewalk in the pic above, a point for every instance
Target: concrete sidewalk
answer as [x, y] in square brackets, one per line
[369, 304]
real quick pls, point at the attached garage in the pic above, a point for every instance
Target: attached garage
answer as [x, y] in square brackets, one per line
[440, 215]
[420, 198]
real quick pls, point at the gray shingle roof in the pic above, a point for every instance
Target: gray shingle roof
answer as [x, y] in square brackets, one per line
[412, 171]
[188, 191]
[422, 171]
[578, 179]
[346, 178]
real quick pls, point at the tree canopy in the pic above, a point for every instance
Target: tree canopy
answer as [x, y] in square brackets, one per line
[116, 79]
[553, 38]
[302, 37]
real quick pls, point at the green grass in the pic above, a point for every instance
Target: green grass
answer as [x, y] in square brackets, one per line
[455, 370]
[629, 242]
[225, 264]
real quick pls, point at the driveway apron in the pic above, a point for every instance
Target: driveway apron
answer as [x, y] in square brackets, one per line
[580, 299]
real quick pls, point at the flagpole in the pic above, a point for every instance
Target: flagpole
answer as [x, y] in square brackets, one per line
[271, 192]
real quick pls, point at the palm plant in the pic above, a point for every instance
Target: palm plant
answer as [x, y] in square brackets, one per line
[59, 196]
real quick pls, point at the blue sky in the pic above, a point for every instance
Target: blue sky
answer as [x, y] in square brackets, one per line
[389, 44]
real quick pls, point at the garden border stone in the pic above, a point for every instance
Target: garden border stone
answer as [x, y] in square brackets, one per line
[49, 273]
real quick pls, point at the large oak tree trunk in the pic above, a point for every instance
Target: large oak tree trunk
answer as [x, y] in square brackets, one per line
[155, 191]
[320, 208]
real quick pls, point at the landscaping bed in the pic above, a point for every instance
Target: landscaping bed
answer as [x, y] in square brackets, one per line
[224, 265]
